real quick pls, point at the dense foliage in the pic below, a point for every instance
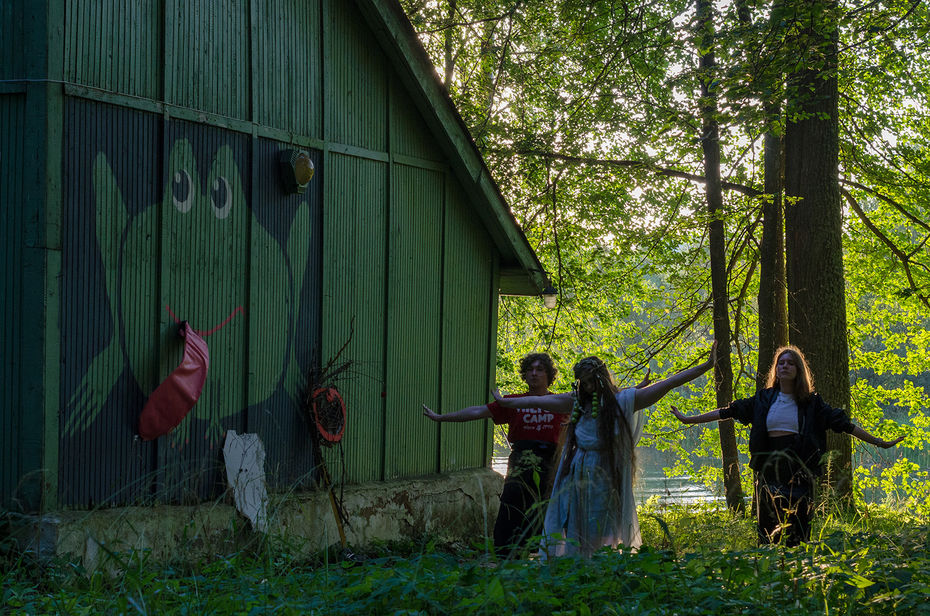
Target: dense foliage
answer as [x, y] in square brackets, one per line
[703, 562]
[589, 116]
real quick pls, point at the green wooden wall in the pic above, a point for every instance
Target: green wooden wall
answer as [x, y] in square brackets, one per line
[13, 20]
[396, 235]
[30, 202]
[12, 270]
[408, 271]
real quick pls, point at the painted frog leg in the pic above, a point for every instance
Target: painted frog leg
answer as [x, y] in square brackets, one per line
[111, 220]
[298, 249]
[213, 432]
[205, 410]
[181, 435]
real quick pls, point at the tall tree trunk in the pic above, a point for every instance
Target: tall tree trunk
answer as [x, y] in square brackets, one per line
[710, 141]
[813, 220]
[773, 299]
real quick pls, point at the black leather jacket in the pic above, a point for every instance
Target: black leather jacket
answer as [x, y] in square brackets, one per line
[814, 418]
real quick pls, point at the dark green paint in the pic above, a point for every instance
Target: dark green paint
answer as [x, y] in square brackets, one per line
[345, 77]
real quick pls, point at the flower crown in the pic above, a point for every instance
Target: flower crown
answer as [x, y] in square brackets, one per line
[590, 365]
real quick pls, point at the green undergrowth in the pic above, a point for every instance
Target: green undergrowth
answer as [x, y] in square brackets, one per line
[695, 561]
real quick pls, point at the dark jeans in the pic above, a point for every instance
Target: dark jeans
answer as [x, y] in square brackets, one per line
[784, 491]
[522, 505]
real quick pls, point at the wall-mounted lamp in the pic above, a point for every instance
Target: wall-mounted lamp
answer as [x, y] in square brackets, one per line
[550, 296]
[296, 170]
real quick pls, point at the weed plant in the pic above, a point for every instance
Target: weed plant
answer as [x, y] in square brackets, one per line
[696, 560]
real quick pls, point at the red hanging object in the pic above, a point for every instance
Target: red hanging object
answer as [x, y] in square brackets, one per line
[329, 414]
[173, 399]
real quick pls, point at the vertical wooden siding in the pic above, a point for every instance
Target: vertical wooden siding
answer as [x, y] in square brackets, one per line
[114, 45]
[207, 64]
[106, 181]
[354, 275]
[255, 60]
[11, 39]
[288, 64]
[466, 323]
[192, 54]
[204, 279]
[409, 133]
[357, 81]
[413, 318]
[275, 397]
[12, 113]
[384, 238]
[156, 235]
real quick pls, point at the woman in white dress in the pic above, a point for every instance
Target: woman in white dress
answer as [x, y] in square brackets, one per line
[592, 503]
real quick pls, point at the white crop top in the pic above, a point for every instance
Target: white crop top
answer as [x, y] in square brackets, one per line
[783, 414]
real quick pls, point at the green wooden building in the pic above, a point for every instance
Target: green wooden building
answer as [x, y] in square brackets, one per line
[140, 180]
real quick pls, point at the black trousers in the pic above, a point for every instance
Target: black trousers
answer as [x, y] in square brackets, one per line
[523, 499]
[784, 493]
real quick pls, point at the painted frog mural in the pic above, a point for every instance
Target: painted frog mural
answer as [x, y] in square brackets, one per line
[212, 264]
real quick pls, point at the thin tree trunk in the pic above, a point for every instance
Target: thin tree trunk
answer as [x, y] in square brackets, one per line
[449, 47]
[710, 141]
[813, 220]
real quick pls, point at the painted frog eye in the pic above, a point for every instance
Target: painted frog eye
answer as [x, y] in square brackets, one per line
[221, 196]
[181, 191]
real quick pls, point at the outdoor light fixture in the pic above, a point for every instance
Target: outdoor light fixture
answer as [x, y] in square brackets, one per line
[550, 295]
[296, 170]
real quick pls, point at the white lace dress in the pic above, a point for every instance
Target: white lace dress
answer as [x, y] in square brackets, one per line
[580, 518]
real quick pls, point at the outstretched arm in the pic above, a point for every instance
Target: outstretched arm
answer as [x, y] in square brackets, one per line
[696, 419]
[469, 413]
[649, 395]
[557, 403]
[864, 436]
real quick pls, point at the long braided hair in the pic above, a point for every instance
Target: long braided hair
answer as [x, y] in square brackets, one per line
[617, 445]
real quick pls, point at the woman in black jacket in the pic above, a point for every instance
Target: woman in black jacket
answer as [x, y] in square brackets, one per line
[787, 442]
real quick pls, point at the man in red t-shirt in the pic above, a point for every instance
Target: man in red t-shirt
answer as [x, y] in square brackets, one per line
[533, 436]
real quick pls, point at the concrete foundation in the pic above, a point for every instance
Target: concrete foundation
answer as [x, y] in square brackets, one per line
[459, 506]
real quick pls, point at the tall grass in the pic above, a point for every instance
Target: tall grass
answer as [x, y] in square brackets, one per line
[696, 560]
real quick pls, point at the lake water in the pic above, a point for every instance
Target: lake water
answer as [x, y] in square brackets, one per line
[672, 490]
[652, 482]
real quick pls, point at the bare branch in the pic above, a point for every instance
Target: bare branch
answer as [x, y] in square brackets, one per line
[882, 31]
[638, 164]
[887, 200]
[902, 257]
